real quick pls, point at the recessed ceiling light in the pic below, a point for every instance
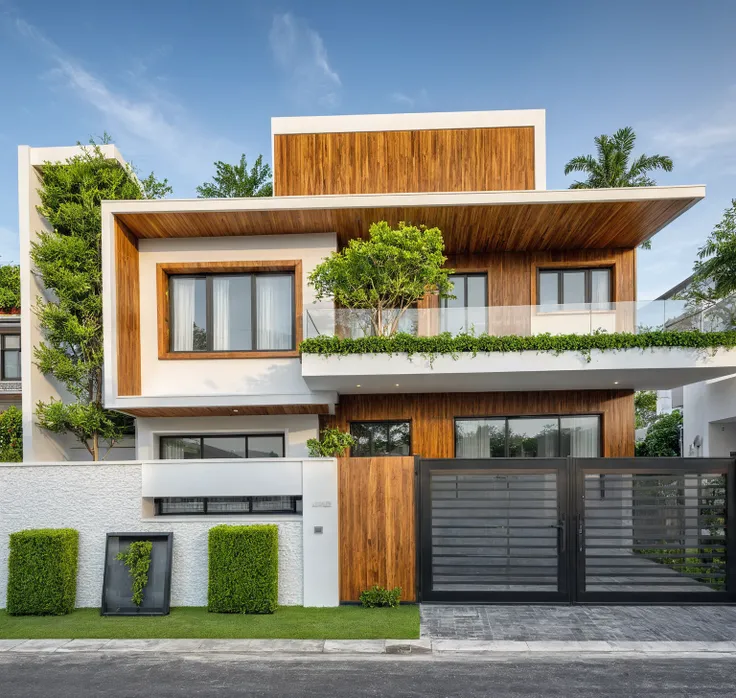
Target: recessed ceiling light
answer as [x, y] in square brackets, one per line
[615, 382]
[397, 385]
[235, 411]
[358, 386]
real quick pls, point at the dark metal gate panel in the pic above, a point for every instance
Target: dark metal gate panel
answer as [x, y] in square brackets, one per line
[653, 529]
[493, 530]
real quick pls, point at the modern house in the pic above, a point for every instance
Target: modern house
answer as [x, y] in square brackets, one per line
[475, 475]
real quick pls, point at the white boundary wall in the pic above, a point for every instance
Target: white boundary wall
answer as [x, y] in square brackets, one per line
[102, 498]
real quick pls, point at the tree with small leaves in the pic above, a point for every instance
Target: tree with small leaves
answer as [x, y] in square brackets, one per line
[232, 181]
[715, 270]
[68, 260]
[645, 408]
[9, 287]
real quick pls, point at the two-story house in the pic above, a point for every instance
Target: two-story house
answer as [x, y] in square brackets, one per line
[498, 475]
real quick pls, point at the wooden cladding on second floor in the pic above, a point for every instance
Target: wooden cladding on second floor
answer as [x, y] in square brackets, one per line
[380, 162]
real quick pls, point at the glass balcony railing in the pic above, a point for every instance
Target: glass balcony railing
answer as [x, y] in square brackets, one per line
[524, 320]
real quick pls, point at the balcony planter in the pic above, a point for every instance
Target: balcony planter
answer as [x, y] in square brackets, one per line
[117, 584]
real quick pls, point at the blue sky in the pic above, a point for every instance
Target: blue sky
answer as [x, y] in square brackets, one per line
[179, 85]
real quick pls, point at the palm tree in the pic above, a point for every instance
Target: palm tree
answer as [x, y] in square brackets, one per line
[611, 168]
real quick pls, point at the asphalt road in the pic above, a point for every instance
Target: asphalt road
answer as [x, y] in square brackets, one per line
[143, 676]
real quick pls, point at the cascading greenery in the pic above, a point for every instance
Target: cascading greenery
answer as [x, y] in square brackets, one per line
[446, 343]
[138, 561]
[11, 435]
[9, 287]
[68, 260]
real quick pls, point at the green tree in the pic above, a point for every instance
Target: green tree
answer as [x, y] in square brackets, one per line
[645, 408]
[11, 435]
[715, 270]
[663, 437]
[9, 287]
[232, 181]
[68, 259]
[386, 274]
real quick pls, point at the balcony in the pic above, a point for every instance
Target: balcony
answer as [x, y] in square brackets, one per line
[545, 368]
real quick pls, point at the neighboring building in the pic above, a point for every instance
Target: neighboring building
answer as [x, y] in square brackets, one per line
[206, 302]
[10, 361]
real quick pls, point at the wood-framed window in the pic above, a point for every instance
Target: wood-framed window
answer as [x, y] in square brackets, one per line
[384, 438]
[187, 446]
[10, 344]
[229, 309]
[546, 436]
[575, 286]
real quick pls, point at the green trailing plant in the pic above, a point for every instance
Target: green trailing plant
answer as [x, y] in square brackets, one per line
[243, 569]
[645, 408]
[380, 597]
[68, 260]
[137, 558]
[236, 181]
[663, 437]
[9, 288]
[42, 572]
[386, 274]
[332, 443]
[447, 344]
[11, 435]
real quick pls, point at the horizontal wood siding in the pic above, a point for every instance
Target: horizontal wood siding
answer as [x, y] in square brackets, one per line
[377, 525]
[432, 414]
[128, 302]
[379, 162]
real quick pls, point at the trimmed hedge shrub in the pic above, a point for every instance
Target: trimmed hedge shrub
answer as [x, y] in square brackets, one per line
[380, 597]
[42, 572]
[243, 569]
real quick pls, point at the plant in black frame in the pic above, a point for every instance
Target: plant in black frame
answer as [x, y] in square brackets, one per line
[138, 560]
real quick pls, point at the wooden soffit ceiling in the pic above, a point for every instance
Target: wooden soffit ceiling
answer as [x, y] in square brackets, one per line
[467, 227]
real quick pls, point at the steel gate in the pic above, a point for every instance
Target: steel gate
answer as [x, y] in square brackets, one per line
[636, 530]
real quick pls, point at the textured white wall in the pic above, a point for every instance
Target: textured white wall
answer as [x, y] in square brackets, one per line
[106, 498]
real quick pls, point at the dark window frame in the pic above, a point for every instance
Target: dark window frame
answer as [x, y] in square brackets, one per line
[4, 351]
[560, 271]
[209, 317]
[202, 437]
[478, 274]
[559, 416]
[158, 501]
[387, 422]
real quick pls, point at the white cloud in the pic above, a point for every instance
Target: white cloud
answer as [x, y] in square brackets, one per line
[409, 100]
[704, 135]
[301, 54]
[151, 122]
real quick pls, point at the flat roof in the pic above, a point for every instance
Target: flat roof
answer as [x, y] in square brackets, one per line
[470, 221]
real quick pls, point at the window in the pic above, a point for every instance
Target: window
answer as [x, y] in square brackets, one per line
[232, 312]
[467, 311]
[225, 446]
[528, 437]
[574, 286]
[11, 357]
[381, 439]
[167, 506]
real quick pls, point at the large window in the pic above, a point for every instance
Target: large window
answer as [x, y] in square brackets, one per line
[574, 286]
[10, 357]
[222, 446]
[528, 437]
[467, 311]
[381, 438]
[232, 312]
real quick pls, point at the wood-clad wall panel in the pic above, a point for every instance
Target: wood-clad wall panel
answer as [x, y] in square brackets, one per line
[377, 525]
[127, 291]
[432, 414]
[379, 162]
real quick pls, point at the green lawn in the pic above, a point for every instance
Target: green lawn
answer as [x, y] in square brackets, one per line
[342, 623]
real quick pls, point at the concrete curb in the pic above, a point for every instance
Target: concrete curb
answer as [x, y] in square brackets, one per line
[370, 647]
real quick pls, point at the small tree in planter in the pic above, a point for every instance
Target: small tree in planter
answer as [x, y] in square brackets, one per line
[331, 444]
[386, 274]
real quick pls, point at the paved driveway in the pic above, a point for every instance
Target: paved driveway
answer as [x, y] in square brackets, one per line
[624, 623]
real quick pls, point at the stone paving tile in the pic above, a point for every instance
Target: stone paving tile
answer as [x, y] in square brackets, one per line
[39, 646]
[83, 646]
[535, 623]
[355, 646]
[5, 645]
[408, 646]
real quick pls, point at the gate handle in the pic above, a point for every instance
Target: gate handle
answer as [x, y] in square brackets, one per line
[562, 529]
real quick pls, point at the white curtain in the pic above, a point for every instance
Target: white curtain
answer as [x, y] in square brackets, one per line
[182, 301]
[221, 291]
[275, 314]
[584, 436]
[172, 449]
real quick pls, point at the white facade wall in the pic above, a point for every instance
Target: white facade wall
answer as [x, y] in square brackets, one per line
[97, 499]
[709, 412]
[213, 377]
[296, 428]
